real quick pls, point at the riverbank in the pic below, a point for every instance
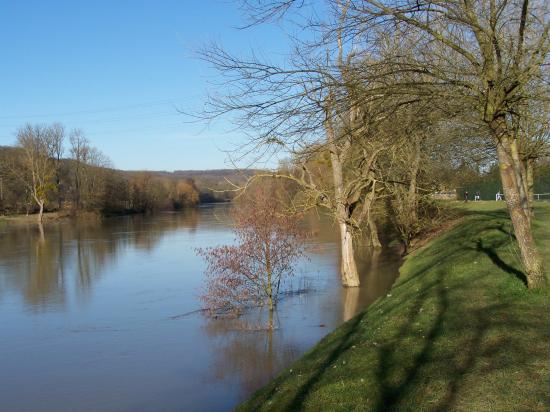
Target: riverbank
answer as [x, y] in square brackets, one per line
[48, 217]
[459, 331]
[33, 218]
[71, 214]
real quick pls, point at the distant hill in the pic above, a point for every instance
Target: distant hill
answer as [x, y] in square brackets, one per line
[211, 183]
[114, 191]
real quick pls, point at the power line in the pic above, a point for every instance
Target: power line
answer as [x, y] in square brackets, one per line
[94, 111]
[117, 119]
[164, 128]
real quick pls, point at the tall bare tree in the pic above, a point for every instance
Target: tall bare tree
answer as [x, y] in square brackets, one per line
[58, 139]
[79, 150]
[37, 167]
[481, 59]
[309, 108]
[488, 57]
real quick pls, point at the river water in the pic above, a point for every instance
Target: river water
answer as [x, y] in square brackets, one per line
[101, 315]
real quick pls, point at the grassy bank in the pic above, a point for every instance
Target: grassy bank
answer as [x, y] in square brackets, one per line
[459, 331]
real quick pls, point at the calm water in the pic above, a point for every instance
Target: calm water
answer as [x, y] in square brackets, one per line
[98, 316]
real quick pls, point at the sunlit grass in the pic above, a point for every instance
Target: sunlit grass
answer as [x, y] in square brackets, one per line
[459, 331]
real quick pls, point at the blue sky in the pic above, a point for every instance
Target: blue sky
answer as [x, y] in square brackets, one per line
[118, 70]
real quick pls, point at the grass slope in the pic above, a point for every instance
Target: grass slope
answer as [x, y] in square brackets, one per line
[459, 331]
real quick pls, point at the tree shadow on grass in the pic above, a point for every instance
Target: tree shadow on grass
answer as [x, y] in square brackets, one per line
[469, 336]
[497, 261]
[471, 326]
[471, 322]
[344, 344]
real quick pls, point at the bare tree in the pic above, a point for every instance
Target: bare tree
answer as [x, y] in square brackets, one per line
[58, 139]
[251, 272]
[486, 58]
[88, 171]
[310, 108]
[79, 150]
[531, 127]
[481, 60]
[37, 167]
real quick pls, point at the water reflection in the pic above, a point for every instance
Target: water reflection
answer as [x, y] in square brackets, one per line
[249, 350]
[35, 259]
[378, 269]
[257, 346]
[95, 304]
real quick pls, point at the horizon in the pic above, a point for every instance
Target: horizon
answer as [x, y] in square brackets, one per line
[216, 169]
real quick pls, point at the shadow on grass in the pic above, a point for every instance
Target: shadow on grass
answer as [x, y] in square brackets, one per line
[497, 261]
[345, 343]
[457, 334]
[493, 332]
[456, 343]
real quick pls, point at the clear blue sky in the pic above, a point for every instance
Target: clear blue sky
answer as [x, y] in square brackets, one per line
[117, 70]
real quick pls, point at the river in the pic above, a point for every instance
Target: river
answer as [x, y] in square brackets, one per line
[101, 315]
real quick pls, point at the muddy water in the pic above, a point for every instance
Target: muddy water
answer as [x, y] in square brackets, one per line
[100, 315]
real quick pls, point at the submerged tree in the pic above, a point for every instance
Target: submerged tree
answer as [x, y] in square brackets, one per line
[488, 59]
[313, 109]
[268, 242]
[483, 64]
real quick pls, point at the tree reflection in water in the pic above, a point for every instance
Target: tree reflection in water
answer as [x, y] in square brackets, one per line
[91, 304]
[252, 348]
[377, 269]
[36, 259]
[249, 350]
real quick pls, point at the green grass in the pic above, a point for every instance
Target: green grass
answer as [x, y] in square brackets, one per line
[459, 331]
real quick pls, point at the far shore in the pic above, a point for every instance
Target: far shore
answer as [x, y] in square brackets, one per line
[53, 216]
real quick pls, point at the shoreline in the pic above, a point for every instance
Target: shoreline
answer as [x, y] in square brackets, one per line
[455, 327]
[64, 215]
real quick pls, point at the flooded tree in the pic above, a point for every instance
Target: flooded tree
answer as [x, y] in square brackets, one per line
[481, 64]
[252, 271]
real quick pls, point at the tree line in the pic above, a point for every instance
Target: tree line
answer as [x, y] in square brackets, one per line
[382, 101]
[488, 184]
[49, 169]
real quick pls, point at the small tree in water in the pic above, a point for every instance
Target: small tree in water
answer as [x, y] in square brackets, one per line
[268, 242]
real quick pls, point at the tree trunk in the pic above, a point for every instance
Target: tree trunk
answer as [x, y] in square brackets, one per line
[372, 230]
[373, 233]
[521, 176]
[77, 188]
[269, 286]
[411, 195]
[348, 268]
[530, 178]
[58, 186]
[350, 302]
[41, 211]
[522, 228]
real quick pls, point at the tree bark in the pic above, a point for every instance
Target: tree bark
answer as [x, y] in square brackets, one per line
[348, 268]
[411, 195]
[350, 302]
[521, 177]
[530, 179]
[373, 233]
[41, 211]
[522, 227]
